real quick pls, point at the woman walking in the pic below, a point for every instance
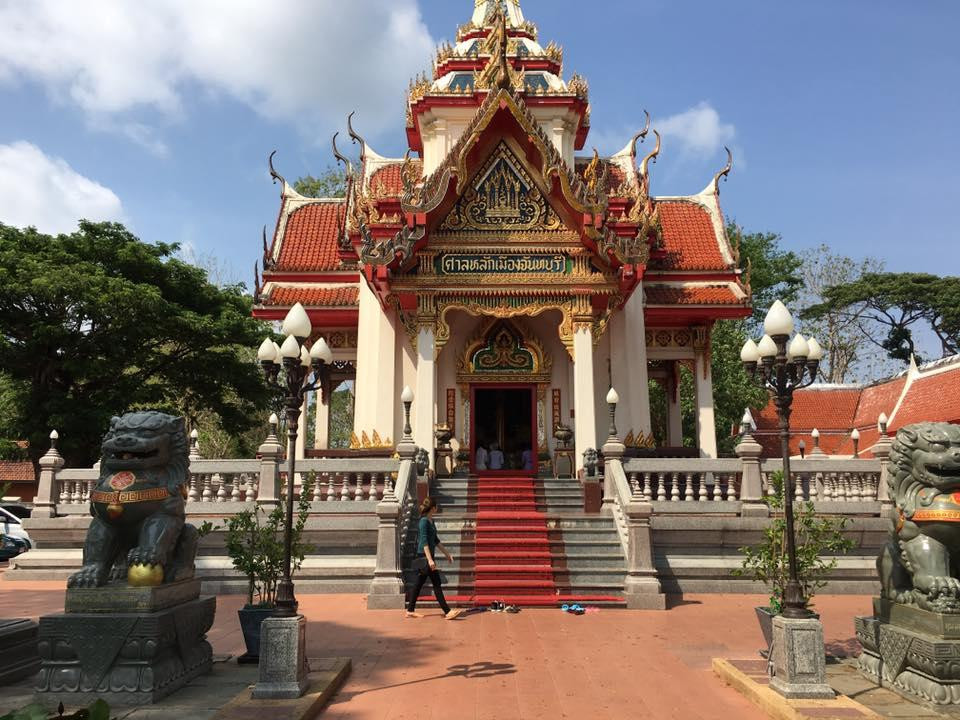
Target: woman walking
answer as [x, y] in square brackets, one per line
[425, 563]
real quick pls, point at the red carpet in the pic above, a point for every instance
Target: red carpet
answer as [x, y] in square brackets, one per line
[514, 561]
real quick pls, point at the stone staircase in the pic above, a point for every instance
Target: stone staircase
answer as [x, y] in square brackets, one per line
[523, 541]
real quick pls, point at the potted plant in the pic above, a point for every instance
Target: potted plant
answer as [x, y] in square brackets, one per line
[255, 545]
[767, 561]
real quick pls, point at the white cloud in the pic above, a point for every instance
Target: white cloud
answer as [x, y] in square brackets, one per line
[43, 191]
[698, 130]
[309, 63]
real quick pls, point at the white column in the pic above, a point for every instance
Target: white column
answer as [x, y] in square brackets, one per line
[302, 432]
[584, 402]
[376, 394]
[706, 424]
[638, 390]
[321, 435]
[425, 399]
[674, 413]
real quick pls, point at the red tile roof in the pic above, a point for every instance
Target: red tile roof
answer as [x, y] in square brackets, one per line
[876, 399]
[934, 398]
[691, 295]
[16, 472]
[824, 408]
[390, 177]
[310, 238]
[689, 238]
[285, 296]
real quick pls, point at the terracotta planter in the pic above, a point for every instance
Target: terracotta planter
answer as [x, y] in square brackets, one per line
[250, 619]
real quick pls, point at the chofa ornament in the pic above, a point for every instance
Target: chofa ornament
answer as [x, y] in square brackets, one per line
[138, 532]
[918, 564]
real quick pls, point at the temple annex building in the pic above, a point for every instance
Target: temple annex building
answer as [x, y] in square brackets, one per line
[504, 272]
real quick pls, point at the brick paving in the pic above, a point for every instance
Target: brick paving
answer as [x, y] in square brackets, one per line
[537, 664]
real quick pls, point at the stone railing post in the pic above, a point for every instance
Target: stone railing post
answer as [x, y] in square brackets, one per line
[268, 489]
[751, 481]
[387, 586]
[881, 451]
[613, 450]
[641, 586]
[45, 503]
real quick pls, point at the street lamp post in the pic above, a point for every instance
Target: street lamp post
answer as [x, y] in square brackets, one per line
[298, 365]
[784, 366]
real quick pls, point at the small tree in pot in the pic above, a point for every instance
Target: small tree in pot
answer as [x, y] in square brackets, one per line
[819, 539]
[255, 545]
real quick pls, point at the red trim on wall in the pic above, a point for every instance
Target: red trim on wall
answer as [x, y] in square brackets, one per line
[340, 317]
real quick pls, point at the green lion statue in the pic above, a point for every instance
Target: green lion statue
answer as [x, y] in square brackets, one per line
[919, 565]
[138, 530]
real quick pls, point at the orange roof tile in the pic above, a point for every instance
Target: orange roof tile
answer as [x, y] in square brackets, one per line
[689, 238]
[390, 176]
[876, 399]
[285, 296]
[310, 238]
[934, 398]
[824, 408]
[18, 472]
[615, 177]
[691, 295]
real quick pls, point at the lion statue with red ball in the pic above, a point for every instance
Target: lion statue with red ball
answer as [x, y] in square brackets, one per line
[919, 565]
[139, 532]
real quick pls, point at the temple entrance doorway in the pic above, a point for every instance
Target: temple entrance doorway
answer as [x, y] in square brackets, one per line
[504, 423]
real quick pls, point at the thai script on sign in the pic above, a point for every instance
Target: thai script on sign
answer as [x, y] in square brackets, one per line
[458, 264]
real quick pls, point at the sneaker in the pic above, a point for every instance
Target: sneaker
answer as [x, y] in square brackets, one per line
[453, 614]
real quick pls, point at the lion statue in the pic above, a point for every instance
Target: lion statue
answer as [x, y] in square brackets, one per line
[920, 563]
[138, 530]
[590, 461]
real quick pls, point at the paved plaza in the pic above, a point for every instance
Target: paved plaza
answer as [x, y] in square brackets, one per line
[537, 664]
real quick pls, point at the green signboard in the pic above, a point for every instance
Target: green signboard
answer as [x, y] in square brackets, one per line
[482, 264]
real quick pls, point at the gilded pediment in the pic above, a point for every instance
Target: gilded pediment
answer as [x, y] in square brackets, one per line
[502, 197]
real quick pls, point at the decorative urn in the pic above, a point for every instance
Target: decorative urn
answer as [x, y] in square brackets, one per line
[443, 435]
[563, 435]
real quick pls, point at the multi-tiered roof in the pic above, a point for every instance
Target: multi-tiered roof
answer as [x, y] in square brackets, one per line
[504, 83]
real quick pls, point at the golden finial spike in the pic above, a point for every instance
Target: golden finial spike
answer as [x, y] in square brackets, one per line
[641, 136]
[652, 157]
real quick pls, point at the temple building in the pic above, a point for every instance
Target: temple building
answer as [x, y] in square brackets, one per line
[505, 277]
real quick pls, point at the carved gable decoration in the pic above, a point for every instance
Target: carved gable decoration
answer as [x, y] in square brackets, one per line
[502, 196]
[502, 351]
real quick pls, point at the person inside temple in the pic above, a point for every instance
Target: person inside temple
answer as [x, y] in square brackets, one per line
[483, 457]
[496, 457]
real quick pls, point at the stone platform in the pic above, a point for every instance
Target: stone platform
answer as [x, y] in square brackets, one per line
[912, 651]
[18, 650]
[129, 646]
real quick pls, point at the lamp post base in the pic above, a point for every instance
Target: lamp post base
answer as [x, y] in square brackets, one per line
[799, 660]
[283, 659]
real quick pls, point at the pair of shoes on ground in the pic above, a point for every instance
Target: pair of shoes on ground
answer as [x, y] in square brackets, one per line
[574, 609]
[499, 606]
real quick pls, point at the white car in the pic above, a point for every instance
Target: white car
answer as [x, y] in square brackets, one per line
[11, 525]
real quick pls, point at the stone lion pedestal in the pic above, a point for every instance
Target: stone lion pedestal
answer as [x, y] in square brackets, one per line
[127, 645]
[912, 651]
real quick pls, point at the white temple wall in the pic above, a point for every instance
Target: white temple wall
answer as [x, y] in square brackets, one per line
[601, 386]
[405, 372]
[376, 396]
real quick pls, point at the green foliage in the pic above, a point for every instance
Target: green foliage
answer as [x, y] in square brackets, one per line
[733, 389]
[899, 303]
[255, 544]
[99, 710]
[96, 323]
[815, 536]
[341, 416]
[774, 273]
[332, 183]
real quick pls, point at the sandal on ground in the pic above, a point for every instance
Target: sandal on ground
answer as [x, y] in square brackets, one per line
[409, 614]
[511, 609]
[453, 614]
[565, 607]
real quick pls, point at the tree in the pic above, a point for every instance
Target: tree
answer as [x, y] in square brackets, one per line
[842, 334]
[96, 323]
[899, 303]
[774, 273]
[332, 183]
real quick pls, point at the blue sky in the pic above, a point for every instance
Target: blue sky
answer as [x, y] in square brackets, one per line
[843, 114]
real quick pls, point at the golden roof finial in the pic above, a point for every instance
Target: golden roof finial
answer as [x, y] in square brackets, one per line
[723, 173]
